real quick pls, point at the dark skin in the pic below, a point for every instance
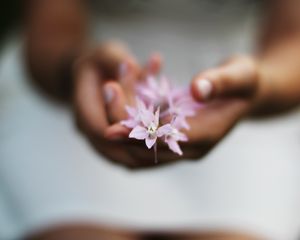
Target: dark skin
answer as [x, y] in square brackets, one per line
[259, 85]
[83, 231]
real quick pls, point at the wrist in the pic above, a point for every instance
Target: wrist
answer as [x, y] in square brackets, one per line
[260, 102]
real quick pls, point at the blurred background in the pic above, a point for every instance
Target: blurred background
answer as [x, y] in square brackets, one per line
[50, 176]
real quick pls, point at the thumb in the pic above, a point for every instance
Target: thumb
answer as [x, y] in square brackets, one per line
[237, 77]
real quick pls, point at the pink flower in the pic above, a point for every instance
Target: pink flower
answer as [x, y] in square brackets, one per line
[134, 113]
[173, 135]
[181, 103]
[133, 117]
[154, 91]
[176, 104]
[149, 130]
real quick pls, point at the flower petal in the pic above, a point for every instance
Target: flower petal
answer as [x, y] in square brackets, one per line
[132, 112]
[147, 117]
[150, 142]
[165, 85]
[164, 130]
[174, 146]
[140, 104]
[130, 123]
[146, 93]
[138, 133]
[180, 122]
[152, 83]
[156, 117]
[181, 137]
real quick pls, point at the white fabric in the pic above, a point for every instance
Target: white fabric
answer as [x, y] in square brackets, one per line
[49, 174]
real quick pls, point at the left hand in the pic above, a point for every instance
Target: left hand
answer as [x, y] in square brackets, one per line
[100, 96]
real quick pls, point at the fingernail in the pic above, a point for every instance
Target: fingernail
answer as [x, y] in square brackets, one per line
[150, 64]
[108, 94]
[205, 88]
[123, 70]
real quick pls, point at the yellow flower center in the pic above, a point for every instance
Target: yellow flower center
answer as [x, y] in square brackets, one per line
[151, 129]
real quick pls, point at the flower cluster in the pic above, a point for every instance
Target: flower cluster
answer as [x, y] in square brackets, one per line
[160, 112]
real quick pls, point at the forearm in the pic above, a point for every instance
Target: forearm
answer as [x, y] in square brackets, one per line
[56, 31]
[279, 58]
[279, 78]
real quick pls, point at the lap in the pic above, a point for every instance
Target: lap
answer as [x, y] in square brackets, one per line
[78, 232]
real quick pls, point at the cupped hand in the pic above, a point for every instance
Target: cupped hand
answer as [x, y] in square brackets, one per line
[230, 93]
[100, 96]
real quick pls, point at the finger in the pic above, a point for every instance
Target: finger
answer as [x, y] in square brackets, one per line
[130, 73]
[128, 77]
[129, 69]
[115, 101]
[117, 132]
[204, 134]
[153, 65]
[88, 100]
[108, 56]
[238, 77]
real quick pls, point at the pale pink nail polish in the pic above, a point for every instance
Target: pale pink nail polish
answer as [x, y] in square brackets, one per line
[108, 93]
[205, 88]
[123, 70]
